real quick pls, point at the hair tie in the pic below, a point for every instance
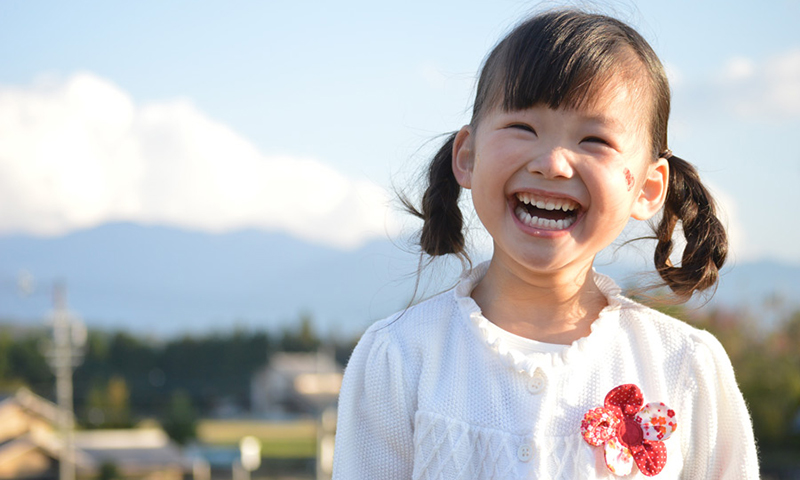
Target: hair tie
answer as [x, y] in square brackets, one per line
[666, 154]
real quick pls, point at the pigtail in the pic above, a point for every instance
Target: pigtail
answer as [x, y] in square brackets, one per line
[689, 202]
[442, 219]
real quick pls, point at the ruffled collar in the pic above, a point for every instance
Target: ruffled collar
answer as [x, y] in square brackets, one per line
[548, 358]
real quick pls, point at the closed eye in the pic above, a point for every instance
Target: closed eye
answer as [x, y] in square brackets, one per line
[596, 140]
[522, 126]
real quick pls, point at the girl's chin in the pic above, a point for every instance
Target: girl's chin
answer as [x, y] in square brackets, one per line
[540, 255]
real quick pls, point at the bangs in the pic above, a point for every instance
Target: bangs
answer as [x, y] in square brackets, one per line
[559, 59]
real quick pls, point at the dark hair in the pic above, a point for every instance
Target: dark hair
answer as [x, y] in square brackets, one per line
[560, 59]
[689, 202]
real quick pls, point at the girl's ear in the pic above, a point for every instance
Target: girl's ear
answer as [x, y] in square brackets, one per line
[463, 157]
[654, 190]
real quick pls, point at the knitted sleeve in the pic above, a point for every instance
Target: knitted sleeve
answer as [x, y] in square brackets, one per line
[375, 425]
[718, 435]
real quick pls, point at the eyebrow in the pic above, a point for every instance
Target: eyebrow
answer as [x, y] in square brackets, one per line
[605, 120]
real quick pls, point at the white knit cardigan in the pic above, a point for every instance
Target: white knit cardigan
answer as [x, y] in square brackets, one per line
[439, 392]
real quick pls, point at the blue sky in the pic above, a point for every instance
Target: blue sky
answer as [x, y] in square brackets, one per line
[299, 116]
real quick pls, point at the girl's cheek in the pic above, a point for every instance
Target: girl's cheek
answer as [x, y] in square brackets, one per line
[629, 179]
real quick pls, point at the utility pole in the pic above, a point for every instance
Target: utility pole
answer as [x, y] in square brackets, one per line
[326, 432]
[64, 353]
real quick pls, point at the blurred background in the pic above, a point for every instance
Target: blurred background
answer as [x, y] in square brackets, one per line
[198, 214]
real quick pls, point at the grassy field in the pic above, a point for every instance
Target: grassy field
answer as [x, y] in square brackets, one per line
[295, 439]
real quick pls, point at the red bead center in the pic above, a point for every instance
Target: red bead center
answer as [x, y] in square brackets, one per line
[630, 432]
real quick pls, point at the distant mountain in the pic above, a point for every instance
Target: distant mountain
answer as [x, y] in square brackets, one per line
[168, 281]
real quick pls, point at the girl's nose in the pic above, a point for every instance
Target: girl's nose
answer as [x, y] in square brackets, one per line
[554, 163]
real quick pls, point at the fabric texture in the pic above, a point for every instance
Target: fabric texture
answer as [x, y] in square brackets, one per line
[439, 392]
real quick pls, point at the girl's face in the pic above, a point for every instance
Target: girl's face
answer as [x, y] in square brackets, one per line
[554, 187]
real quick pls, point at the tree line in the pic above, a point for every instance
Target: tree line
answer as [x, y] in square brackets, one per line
[125, 377]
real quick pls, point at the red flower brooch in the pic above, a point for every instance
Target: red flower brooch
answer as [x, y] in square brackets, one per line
[630, 432]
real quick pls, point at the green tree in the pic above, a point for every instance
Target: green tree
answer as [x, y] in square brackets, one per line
[180, 421]
[5, 362]
[303, 339]
[118, 411]
[27, 364]
[109, 406]
[108, 471]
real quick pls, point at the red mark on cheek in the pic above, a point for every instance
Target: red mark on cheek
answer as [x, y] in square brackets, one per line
[629, 179]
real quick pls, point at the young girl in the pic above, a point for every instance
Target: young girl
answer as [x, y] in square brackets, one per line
[535, 366]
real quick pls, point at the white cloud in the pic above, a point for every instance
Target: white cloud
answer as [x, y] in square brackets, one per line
[674, 75]
[738, 69]
[739, 249]
[433, 75]
[79, 152]
[766, 89]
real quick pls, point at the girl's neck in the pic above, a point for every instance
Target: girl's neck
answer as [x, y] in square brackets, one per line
[552, 308]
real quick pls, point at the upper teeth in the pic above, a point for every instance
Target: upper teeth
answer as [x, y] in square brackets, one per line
[547, 203]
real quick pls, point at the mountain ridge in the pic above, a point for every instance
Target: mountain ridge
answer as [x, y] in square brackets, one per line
[167, 281]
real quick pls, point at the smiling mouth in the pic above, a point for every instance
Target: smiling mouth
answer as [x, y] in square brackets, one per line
[546, 213]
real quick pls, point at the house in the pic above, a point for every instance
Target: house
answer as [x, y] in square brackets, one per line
[146, 453]
[292, 383]
[30, 445]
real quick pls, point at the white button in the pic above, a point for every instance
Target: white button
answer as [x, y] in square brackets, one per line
[524, 453]
[537, 382]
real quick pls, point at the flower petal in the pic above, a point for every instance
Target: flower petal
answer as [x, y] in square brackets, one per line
[627, 398]
[650, 457]
[599, 425]
[618, 457]
[658, 421]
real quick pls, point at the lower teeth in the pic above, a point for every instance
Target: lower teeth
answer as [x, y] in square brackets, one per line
[545, 223]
